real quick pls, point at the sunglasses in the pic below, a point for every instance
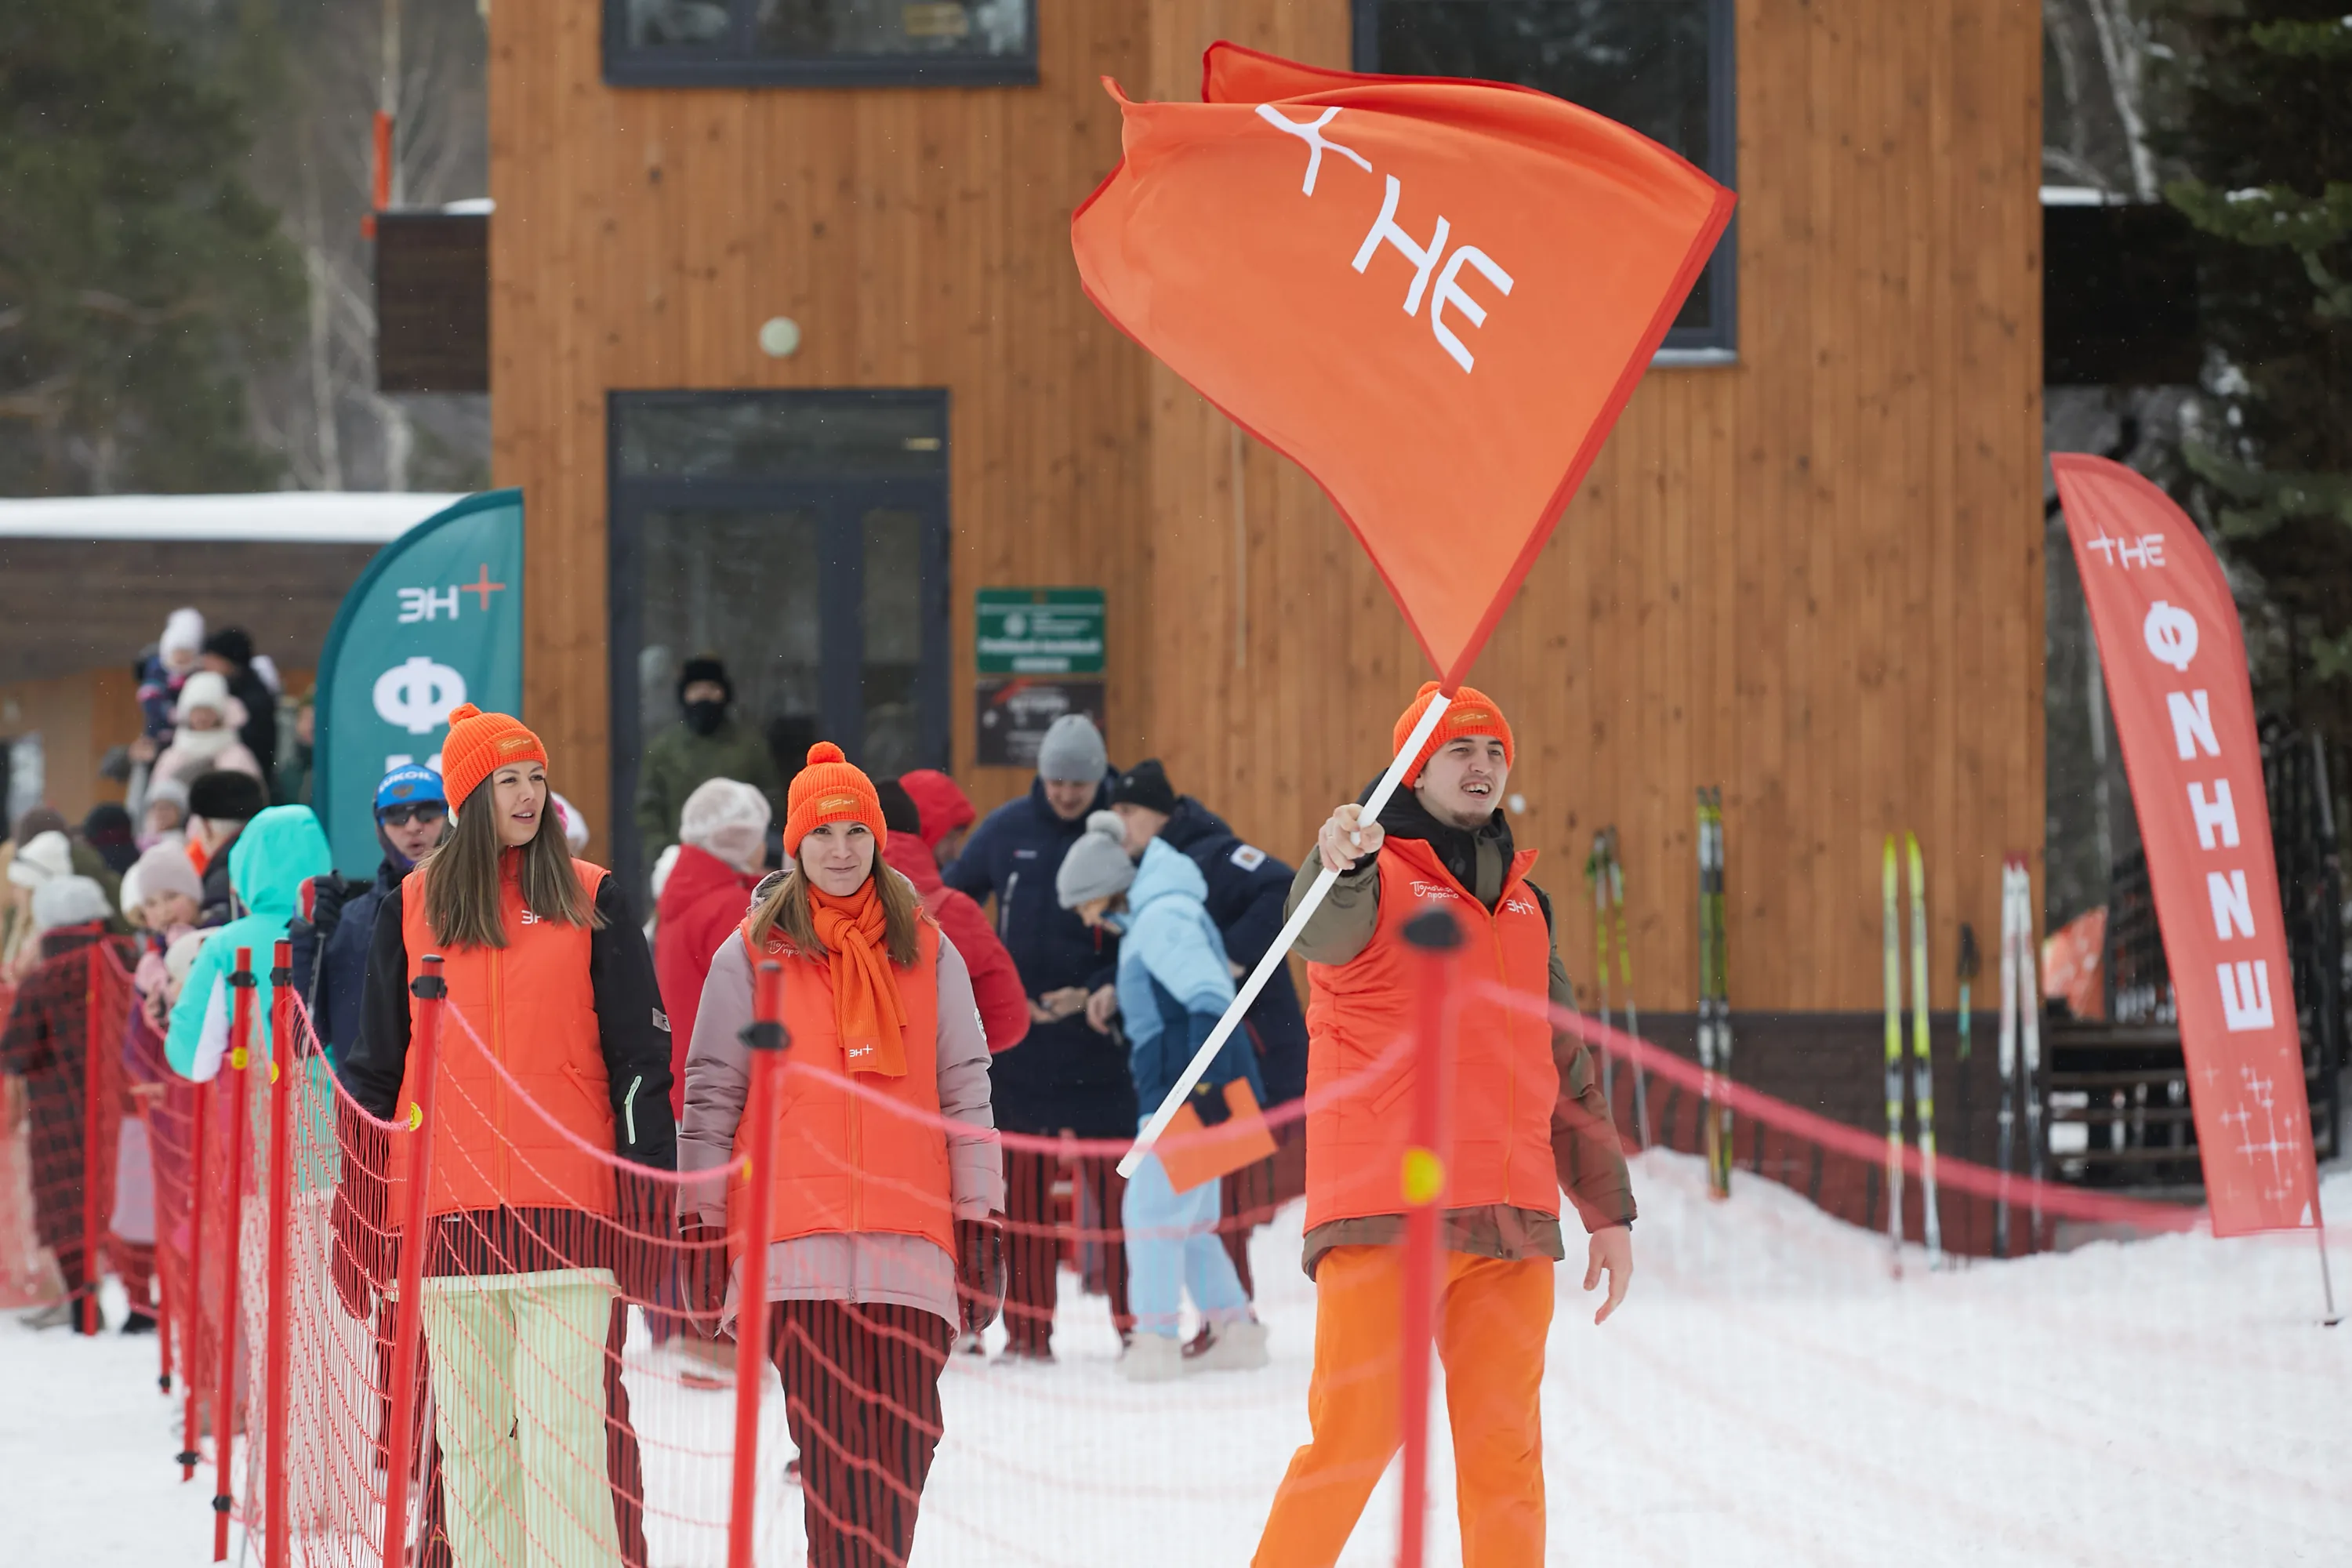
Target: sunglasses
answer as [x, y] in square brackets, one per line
[402, 816]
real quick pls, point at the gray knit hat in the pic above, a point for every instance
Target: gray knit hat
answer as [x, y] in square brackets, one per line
[69, 901]
[1097, 866]
[1072, 752]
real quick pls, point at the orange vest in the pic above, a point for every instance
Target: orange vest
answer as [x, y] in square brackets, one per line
[1505, 1082]
[530, 1003]
[844, 1164]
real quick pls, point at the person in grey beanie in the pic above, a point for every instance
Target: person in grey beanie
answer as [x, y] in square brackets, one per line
[1068, 1073]
[1097, 866]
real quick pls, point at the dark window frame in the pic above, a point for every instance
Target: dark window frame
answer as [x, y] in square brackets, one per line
[1717, 342]
[732, 64]
[628, 498]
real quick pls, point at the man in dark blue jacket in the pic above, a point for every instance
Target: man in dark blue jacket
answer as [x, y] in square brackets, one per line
[1069, 1073]
[330, 931]
[1247, 889]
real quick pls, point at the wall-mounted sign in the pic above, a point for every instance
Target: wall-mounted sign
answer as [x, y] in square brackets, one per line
[1017, 711]
[436, 620]
[1040, 631]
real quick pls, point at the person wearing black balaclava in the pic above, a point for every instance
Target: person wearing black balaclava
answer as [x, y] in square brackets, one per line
[707, 743]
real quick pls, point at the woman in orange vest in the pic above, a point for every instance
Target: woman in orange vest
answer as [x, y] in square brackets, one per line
[1529, 1122]
[535, 1237]
[882, 1238]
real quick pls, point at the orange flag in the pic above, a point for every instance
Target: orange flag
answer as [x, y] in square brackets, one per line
[1434, 296]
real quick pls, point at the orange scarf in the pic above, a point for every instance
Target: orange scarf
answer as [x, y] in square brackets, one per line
[868, 1011]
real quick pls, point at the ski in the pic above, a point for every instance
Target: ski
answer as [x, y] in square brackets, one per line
[1625, 978]
[2029, 1000]
[1893, 967]
[1923, 1076]
[2005, 1117]
[1722, 971]
[1965, 971]
[1596, 875]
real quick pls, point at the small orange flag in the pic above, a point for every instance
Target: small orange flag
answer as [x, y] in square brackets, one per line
[1434, 296]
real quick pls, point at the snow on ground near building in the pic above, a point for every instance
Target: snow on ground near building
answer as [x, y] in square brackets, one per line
[1769, 1395]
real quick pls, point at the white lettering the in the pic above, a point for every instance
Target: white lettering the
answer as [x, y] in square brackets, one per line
[2216, 819]
[2245, 994]
[1311, 132]
[425, 604]
[1384, 228]
[1450, 292]
[2232, 909]
[2193, 724]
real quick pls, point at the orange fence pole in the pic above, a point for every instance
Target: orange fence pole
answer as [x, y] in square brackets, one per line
[192, 1295]
[241, 1038]
[767, 1039]
[431, 990]
[1435, 939]
[281, 1198]
[92, 1091]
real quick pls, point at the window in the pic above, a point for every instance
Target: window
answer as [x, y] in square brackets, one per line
[820, 43]
[1662, 67]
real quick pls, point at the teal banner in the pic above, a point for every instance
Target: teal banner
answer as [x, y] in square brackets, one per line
[436, 620]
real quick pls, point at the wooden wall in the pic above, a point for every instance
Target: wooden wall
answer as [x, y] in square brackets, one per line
[1813, 578]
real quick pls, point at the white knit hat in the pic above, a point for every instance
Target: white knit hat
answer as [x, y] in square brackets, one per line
[727, 817]
[165, 868]
[183, 631]
[1097, 866]
[69, 901]
[44, 859]
[206, 688]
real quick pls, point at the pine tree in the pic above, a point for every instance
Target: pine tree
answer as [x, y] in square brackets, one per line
[2267, 139]
[139, 273]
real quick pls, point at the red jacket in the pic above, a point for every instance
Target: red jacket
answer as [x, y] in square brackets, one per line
[995, 984]
[701, 906]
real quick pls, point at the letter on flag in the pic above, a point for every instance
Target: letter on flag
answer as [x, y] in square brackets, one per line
[2175, 660]
[1434, 296]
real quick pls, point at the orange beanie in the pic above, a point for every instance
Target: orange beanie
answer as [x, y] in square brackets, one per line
[830, 790]
[479, 744]
[1472, 714]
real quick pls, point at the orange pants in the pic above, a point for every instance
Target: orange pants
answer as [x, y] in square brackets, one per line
[1493, 1318]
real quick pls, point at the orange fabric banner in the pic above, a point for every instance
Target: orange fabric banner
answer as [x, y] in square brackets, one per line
[1434, 296]
[2175, 662]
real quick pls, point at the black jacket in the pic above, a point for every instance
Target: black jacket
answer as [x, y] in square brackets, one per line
[220, 903]
[1248, 889]
[628, 1007]
[1062, 1074]
[329, 934]
[260, 730]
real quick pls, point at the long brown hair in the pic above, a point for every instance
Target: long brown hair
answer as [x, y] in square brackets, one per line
[787, 913]
[461, 876]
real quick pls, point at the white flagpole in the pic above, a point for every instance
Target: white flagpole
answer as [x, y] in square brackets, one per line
[1277, 953]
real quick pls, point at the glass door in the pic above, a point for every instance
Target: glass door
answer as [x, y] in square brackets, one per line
[801, 539]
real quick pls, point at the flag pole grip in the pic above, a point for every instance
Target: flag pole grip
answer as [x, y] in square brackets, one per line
[1279, 949]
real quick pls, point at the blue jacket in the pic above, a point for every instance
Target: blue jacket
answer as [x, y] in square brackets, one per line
[1173, 981]
[1062, 1074]
[1248, 889]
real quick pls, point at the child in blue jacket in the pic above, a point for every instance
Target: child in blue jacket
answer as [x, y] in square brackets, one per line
[1174, 983]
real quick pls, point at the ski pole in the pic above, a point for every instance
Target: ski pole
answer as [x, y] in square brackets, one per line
[1596, 872]
[1893, 966]
[1923, 1076]
[1279, 950]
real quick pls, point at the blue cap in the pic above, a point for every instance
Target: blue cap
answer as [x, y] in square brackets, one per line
[408, 783]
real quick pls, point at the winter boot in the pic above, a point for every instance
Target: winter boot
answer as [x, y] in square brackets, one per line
[1153, 1358]
[1230, 1347]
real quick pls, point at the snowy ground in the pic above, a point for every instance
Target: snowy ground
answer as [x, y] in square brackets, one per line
[1769, 1395]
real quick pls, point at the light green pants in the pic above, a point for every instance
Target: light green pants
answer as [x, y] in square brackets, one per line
[519, 1405]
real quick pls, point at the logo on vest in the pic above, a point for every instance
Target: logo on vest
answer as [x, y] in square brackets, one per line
[857, 1051]
[1518, 906]
[531, 919]
[1434, 891]
[1248, 857]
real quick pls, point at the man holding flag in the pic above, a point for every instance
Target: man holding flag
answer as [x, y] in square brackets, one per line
[1529, 1122]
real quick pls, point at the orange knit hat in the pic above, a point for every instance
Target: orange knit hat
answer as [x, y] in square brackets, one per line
[1473, 713]
[479, 744]
[830, 790]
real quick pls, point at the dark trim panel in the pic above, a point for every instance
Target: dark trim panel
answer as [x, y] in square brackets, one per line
[732, 64]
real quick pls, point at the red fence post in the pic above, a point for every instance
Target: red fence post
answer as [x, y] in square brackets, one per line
[766, 1038]
[191, 1293]
[92, 1093]
[241, 1038]
[282, 1199]
[1434, 939]
[430, 989]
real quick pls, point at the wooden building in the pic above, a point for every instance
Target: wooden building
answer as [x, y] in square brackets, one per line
[1807, 567]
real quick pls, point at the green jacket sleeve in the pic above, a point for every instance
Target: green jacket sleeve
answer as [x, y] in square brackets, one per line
[186, 1033]
[1344, 924]
[1584, 1148]
[657, 810]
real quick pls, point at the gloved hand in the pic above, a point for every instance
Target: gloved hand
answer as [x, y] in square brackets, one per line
[703, 1271]
[979, 1270]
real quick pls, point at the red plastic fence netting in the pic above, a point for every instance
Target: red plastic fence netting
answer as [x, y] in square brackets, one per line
[1771, 1382]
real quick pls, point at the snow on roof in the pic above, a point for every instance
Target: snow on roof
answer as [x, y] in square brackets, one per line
[278, 517]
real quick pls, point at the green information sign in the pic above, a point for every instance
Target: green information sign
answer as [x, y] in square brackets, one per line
[435, 620]
[1040, 631]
